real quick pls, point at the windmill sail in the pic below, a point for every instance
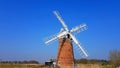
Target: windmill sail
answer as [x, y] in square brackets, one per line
[61, 20]
[65, 50]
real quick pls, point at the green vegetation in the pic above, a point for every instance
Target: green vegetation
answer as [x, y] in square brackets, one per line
[112, 62]
[92, 61]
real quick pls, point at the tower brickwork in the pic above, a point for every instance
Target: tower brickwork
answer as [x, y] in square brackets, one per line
[65, 57]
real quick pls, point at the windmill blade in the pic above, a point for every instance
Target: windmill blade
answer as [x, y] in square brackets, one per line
[60, 35]
[78, 28]
[51, 39]
[76, 42]
[78, 51]
[61, 20]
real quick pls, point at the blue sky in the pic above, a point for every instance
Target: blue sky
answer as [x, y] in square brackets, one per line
[24, 24]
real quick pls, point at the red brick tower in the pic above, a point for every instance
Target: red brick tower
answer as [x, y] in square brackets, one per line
[65, 58]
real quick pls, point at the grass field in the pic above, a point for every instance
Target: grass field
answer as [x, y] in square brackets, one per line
[22, 66]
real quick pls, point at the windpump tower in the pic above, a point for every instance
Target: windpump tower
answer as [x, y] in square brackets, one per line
[65, 56]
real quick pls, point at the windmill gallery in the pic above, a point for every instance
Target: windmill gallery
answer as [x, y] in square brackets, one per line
[65, 56]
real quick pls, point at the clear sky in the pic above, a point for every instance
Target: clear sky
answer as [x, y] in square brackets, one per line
[24, 24]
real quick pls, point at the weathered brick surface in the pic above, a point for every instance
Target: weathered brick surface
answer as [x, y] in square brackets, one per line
[65, 56]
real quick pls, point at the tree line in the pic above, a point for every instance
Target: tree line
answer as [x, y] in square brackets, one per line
[20, 62]
[91, 61]
[113, 60]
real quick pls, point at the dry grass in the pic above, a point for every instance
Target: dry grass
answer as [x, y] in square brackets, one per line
[20, 66]
[92, 66]
[44, 66]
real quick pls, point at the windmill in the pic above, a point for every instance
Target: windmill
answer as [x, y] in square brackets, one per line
[65, 57]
